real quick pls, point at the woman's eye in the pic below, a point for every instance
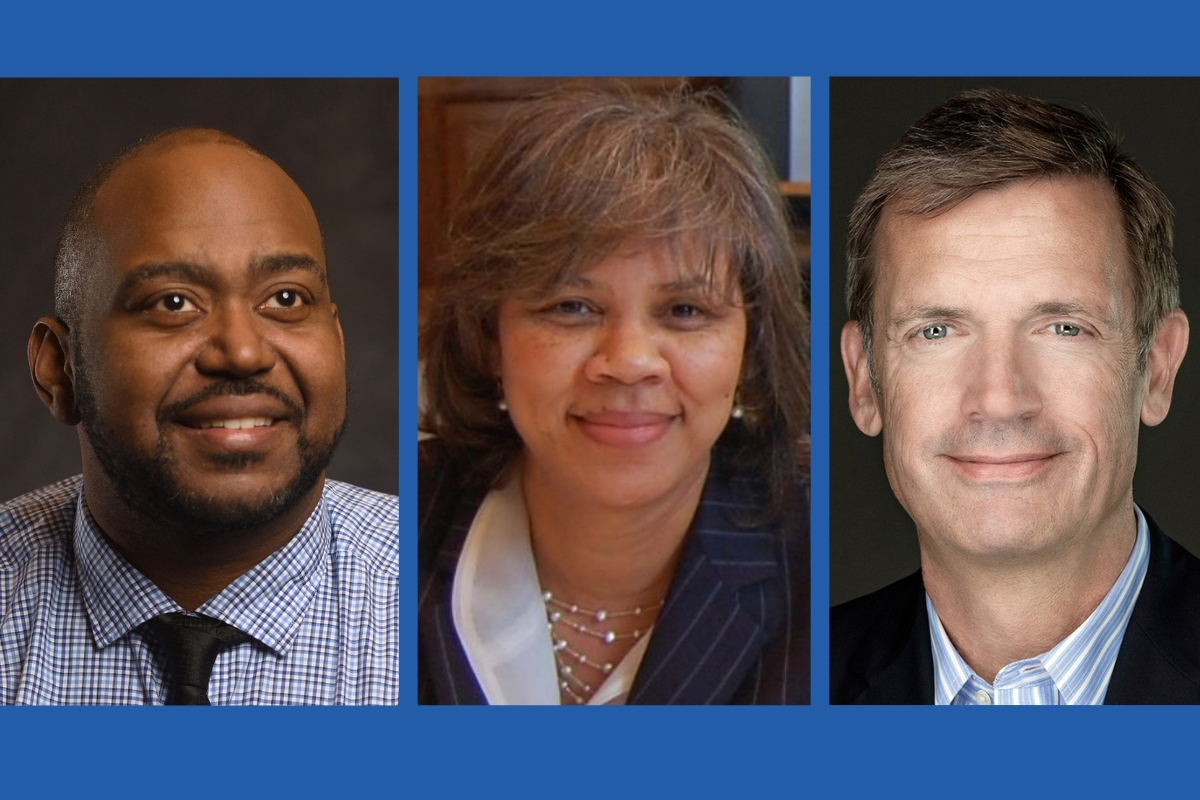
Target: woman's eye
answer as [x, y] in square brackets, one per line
[174, 303]
[1066, 329]
[686, 311]
[935, 332]
[570, 308]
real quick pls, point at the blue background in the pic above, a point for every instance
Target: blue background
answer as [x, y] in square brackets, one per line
[636, 752]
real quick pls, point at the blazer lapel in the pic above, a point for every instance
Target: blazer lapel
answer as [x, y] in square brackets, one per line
[444, 674]
[723, 606]
[894, 663]
[1159, 660]
[908, 678]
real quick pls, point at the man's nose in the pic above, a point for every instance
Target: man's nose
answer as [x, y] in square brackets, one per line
[627, 351]
[1001, 380]
[236, 343]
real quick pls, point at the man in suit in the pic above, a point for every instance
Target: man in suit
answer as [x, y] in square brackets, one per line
[1015, 314]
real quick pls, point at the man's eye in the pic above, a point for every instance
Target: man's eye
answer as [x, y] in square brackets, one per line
[935, 332]
[1066, 329]
[286, 298]
[174, 303]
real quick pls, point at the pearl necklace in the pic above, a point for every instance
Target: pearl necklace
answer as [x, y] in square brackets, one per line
[557, 610]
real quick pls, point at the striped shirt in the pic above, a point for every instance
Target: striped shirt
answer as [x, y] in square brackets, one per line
[1074, 672]
[323, 609]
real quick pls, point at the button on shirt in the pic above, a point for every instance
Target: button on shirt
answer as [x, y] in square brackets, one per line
[1076, 671]
[323, 609]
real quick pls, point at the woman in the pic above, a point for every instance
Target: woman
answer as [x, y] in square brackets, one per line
[614, 506]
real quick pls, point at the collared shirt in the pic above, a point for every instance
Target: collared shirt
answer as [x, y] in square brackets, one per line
[323, 609]
[500, 617]
[1076, 671]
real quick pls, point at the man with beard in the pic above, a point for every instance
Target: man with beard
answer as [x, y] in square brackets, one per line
[202, 557]
[1015, 309]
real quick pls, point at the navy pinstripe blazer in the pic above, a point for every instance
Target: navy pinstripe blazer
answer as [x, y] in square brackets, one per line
[734, 629]
[879, 650]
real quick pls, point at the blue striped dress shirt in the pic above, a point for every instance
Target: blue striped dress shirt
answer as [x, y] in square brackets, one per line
[1074, 672]
[323, 609]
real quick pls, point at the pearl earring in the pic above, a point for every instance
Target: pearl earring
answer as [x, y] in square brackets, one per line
[737, 412]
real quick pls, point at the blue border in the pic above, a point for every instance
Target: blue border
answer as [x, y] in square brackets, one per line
[819, 348]
[409, 751]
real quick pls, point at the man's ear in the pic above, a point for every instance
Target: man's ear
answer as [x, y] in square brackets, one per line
[337, 324]
[864, 404]
[1162, 365]
[51, 369]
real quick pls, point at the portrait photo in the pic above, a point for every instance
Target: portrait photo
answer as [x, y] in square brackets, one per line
[613, 455]
[1014, 341]
[201, 317]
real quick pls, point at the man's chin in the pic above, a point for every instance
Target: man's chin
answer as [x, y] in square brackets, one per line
[209, 512]
[206, 497]
[1000, 537]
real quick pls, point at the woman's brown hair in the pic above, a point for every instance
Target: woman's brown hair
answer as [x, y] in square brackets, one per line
[573, 176]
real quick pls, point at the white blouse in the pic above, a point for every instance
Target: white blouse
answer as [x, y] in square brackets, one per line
[500, 617]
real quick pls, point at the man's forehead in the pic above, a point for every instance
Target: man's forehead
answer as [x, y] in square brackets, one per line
[1019, 230]
[179, 168]
[173, 191]
[1058, 197]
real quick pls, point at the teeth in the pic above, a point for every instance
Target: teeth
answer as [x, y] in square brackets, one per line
[237, 424]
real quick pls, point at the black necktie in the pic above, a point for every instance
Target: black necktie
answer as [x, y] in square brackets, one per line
[191, 645]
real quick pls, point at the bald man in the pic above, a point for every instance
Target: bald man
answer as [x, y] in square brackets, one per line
[201, 558]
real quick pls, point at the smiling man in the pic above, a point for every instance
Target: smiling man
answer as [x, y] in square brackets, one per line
[1014, 307]
[202, 557]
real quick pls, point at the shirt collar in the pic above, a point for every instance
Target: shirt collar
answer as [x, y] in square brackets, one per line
[1079, 666]
[116, 596]
[500, 616]
[267, 601]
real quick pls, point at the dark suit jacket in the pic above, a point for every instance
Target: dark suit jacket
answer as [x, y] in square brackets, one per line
[734, 628]
[879, 649]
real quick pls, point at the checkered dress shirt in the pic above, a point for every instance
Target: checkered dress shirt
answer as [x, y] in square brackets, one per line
[324, 609]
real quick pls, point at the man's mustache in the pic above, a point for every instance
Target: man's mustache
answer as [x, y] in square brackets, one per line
[234, 389]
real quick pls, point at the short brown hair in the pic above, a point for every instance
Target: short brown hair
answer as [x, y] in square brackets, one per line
[573, 176]
[988, 138]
